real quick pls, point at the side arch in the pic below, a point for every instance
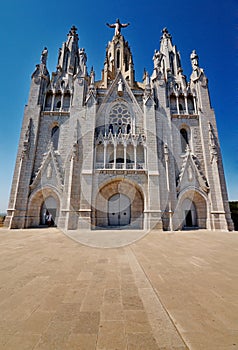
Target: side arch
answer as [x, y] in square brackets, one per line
[191, 210]
[38, 203]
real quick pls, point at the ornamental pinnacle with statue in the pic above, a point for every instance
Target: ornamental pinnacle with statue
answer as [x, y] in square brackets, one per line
[116, 153]
[118, 57]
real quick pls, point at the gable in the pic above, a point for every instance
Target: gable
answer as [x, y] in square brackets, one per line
[119, 93]
[191, 175]
[49, 172]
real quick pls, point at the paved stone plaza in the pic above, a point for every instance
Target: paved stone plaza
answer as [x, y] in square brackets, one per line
[166, 291]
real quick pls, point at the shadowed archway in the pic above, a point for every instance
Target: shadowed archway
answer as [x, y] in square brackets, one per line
[129, 194]
[37, 207]
[191, 210]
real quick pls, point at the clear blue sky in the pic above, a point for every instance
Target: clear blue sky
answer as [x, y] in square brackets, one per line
[209, 26]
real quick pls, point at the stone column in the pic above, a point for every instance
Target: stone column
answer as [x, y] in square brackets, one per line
[52, 101]
[125, 155]
[104, 154]
[186, 103]
[16, 193]
[195, 104]
[177, 103]
[61, 102]
[166, 158]
[145, 158]
[152, 211]
[68, 216]
[115, 155]
[218, 215]
[135, 160]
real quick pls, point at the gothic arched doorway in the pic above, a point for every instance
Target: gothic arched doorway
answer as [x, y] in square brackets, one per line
[119, 210]
[49, 205]
[189, 214]
[191, 210]
[119, 203]
[40, 201]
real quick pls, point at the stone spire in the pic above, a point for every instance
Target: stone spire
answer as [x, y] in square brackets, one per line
[69, 54]
[168, 58]
[118, 57]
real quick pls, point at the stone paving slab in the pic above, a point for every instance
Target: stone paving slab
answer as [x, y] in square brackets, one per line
[165, 291]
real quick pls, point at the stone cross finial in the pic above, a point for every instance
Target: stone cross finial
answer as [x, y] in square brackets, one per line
[166, 33]
[73, 31]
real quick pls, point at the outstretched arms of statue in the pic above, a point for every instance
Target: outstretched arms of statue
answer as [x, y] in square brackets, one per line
[111, 25]
[125, 25]
[117, 26]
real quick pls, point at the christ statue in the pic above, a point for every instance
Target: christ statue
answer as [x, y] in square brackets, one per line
[118, 25]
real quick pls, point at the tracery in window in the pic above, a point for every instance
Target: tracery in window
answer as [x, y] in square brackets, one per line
[120, 119]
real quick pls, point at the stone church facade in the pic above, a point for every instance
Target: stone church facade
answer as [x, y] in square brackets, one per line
[117, 153]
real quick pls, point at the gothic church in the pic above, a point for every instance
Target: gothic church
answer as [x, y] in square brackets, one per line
[118, 153]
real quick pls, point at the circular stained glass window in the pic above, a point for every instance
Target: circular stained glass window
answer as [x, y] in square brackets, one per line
[120, 118]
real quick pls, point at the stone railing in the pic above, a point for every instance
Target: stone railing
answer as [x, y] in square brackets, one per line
[55, 109]
[182, 112]
[120, 166]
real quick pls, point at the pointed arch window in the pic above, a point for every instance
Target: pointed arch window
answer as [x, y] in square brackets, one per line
[190, 104]
[126, 62]
[76, 64]
[66, 60]
[184, 139]
[55, 136]
[48, 100]
[171, 61]
[57, 101]
[66, 102]
[118, 59]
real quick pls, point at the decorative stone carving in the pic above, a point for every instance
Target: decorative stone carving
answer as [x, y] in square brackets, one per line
[192, 168]
[157, 58]
[118, 25]
[120, 88]
[212, 144]
[166, 152]
[82, 57]
[44, 56]
[27, 139]
[197, 71]
[194, 60]
[190, 173]
[102, 140]
[49, 172]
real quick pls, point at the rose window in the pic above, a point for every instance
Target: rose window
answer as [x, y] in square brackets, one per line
[119, 120]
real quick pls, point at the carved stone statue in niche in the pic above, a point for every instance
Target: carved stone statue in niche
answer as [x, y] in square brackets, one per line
[49, 172]
[190, 173]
